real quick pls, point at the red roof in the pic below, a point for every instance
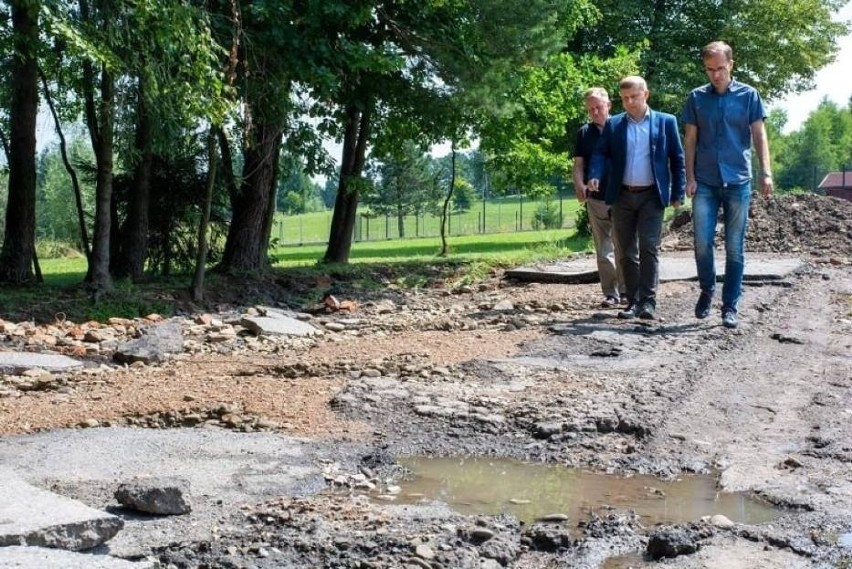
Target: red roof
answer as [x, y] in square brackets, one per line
[837, 180]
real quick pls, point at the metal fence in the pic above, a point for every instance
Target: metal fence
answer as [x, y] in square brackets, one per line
[503, 215]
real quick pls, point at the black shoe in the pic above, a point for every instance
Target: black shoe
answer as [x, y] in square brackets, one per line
[647, 311]
[702, 307]
[729, 318]
[629, 312]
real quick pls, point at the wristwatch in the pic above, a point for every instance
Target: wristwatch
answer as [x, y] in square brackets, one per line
[766, 175]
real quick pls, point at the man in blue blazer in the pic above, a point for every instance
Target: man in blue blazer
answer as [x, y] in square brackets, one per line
[646, 175]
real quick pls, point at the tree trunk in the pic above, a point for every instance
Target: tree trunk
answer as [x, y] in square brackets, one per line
[245, 248]
[99, 276]
[99, 120]
[346, 203]
[72, 173]
[133, 249]
[197, 290]
[445, 249]
[16, 258]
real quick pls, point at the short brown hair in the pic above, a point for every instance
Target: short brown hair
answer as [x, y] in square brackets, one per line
[632, 81]
[717, 48]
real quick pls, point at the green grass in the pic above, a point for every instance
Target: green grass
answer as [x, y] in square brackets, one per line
[503, 215]
[297, 277]
[499, 248]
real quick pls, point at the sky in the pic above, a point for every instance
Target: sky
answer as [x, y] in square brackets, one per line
[833, 81]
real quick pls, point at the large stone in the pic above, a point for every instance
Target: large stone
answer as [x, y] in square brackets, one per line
[672, 542]
[32, 516]
[163, 496]
[155, 343]
[19, 362]
[277, 323]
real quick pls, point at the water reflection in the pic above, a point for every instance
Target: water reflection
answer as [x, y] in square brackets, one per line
[530, 491]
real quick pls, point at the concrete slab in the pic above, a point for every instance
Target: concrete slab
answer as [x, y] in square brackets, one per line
[584, 270]
[278, 323]
[224, 469]
[17, 557]
[19, 362]
[32, 516]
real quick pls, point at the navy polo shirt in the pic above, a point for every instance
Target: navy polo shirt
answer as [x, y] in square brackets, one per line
[723, 150]
[584, 146]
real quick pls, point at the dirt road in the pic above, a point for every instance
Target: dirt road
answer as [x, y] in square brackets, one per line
[535, 372]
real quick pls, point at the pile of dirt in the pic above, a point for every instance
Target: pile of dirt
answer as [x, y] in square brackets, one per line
[800, 223]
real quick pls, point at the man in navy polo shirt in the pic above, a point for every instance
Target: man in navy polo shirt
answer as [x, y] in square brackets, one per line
[600, 219]
[721, 121]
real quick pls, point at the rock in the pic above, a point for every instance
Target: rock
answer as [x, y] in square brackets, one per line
[721, 521]
[547, 429]
[672, 542]
[504, 306]
[153, 345]
[424, 552]
[553, 518]
[164, 496]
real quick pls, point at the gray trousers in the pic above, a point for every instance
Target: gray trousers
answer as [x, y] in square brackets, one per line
[637, 225]
[612, 283]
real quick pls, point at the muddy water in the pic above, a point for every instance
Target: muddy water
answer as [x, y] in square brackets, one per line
[531, 491]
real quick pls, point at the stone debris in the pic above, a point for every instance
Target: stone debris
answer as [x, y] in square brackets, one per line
[35, 517]
[163, 496]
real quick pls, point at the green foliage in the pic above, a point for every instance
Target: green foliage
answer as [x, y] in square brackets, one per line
[297, 193]
[823, 144]
[581, 222]
[547, 216]
[530, 142]
[52, 249]
[403, 183]
[778, 45]
[57, 217]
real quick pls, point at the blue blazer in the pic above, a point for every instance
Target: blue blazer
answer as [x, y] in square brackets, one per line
[667, 159]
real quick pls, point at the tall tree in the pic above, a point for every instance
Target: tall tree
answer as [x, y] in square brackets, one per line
[778, 45]
[403, 184]
[422, 53]
[16, 258]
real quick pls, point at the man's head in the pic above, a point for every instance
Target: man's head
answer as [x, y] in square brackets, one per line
[634, 95]
[718, 58]
[597, 105]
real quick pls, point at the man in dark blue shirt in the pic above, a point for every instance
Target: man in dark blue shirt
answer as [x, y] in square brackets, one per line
[600, 220]
[721, 121]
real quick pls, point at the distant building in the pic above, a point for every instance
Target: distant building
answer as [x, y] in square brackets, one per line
[837, 184]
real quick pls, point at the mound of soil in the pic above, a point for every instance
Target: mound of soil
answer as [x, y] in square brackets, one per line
[804, 223]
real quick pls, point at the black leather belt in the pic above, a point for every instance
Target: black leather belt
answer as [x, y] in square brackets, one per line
[637, 189]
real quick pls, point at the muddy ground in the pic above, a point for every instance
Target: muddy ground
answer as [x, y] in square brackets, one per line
[536, 372]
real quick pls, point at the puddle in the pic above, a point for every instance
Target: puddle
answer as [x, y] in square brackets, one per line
[529, 491]
[633, 561]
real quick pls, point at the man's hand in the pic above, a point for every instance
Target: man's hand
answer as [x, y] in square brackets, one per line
[676, 204]
[593, 185]
[766, 186]
[691, 187]
[582, 193]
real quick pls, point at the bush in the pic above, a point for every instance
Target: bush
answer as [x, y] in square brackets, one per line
[53, 249]
[582, 222]
[547, 216]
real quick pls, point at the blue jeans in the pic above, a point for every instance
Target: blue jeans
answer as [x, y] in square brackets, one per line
[734, 200]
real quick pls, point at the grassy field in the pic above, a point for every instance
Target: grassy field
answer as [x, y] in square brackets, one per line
[496, 248]
[504, 215]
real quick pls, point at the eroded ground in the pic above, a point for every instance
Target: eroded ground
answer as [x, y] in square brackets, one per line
[549, 377]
